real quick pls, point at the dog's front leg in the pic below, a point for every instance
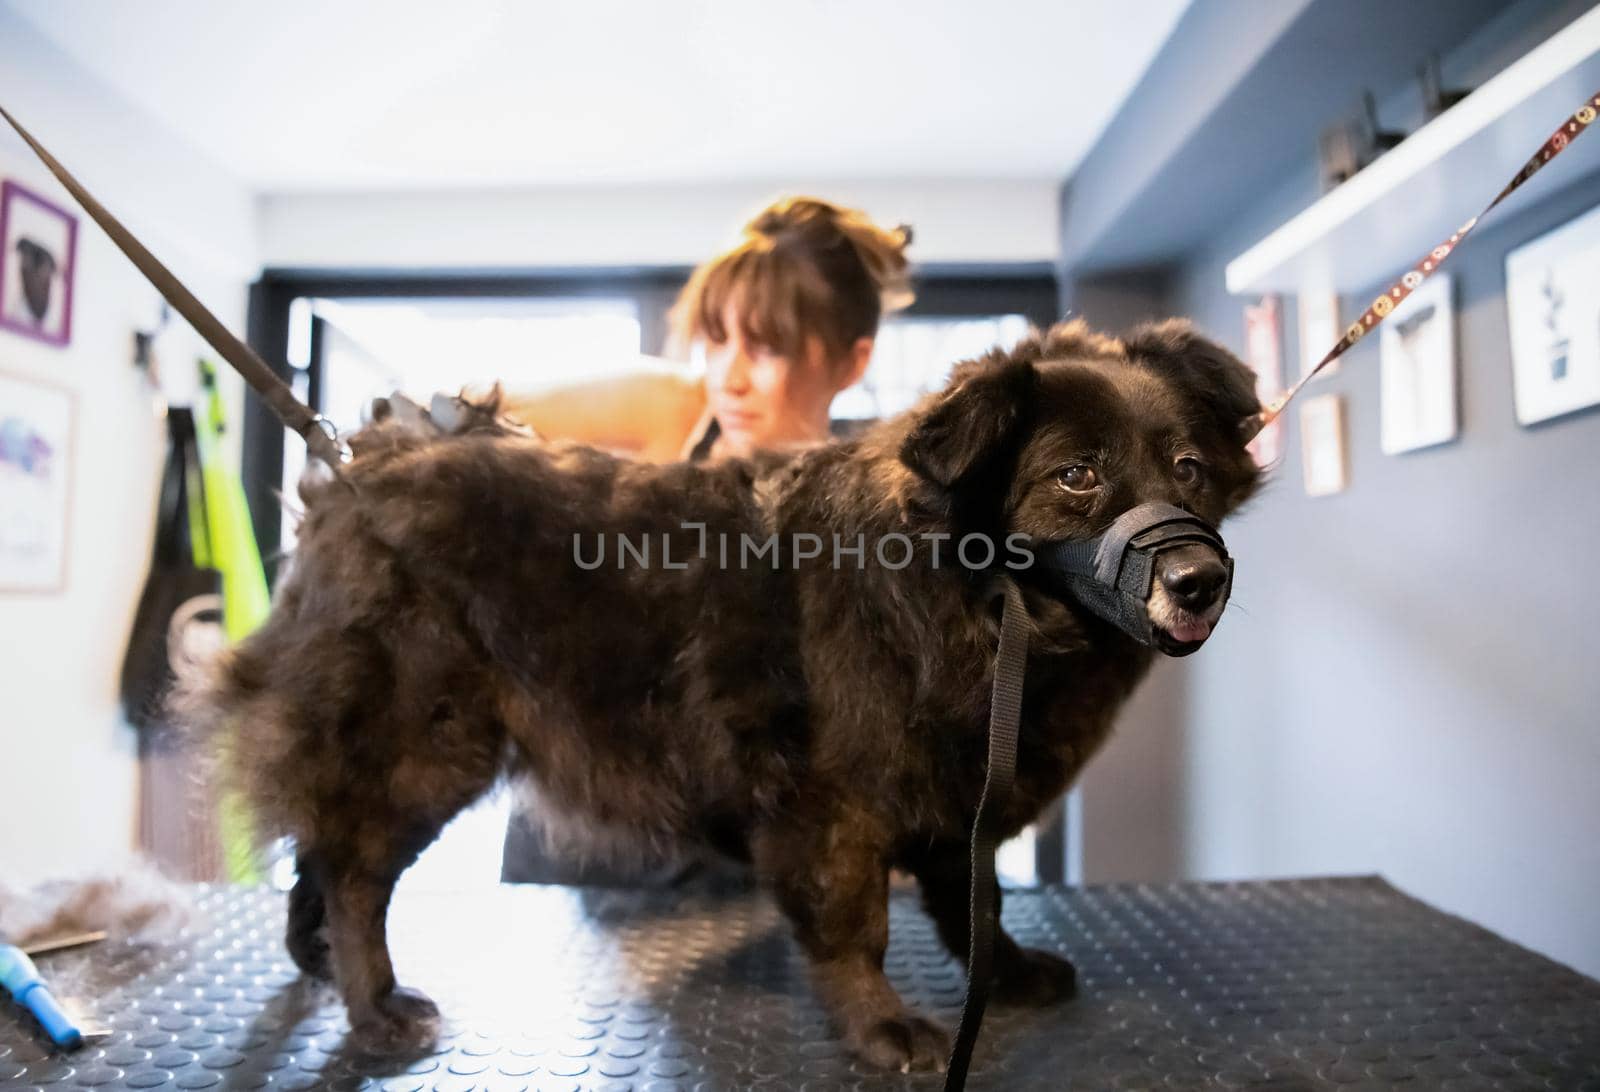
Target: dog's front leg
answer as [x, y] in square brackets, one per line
[1022, 976]
[835, 891]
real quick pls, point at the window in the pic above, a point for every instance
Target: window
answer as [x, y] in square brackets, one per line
[365, 349]
[423, 346]
[913, 355]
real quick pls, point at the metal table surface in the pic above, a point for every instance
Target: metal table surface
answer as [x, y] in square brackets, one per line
[1328, 983]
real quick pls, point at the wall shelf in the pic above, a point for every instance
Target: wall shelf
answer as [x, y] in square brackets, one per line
[1378, 223]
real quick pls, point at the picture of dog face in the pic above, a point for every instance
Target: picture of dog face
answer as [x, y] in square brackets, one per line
[38, 268]
[38, 247]
[451, 619]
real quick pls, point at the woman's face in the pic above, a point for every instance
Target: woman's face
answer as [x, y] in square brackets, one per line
[762, 399]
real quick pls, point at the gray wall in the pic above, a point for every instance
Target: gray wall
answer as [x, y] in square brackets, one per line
[1407, 680]
[1411, 686]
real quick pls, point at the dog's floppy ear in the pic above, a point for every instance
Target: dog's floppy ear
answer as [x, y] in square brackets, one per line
[1224, 386]
[967, 425]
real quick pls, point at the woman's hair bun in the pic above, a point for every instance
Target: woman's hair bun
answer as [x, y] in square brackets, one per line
[815, 224]
[883, 252]
[806, 269]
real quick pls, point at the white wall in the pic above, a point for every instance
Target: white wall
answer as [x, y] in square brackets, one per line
[67, 760]
[955, 221]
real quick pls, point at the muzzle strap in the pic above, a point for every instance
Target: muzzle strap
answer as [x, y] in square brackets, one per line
[1112, 575]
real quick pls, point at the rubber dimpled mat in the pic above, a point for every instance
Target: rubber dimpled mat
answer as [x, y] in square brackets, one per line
[1293, 985]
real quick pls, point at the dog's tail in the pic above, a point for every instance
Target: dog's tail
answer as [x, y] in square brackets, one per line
[285, 717]
[216, 716]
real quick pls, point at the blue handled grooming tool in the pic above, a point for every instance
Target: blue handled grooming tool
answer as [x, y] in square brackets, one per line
[21, 979]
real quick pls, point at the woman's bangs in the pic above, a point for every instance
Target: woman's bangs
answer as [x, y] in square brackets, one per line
[772, 304]
[775, 299]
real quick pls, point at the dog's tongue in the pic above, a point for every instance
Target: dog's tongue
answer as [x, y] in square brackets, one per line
[1189, 632]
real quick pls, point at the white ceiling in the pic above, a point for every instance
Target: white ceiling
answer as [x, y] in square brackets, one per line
[298, 95]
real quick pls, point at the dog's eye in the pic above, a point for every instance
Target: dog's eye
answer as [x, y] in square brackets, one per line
[1188, 470]
[1079, 479]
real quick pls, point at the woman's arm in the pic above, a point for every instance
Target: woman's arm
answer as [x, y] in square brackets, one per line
[649, 414]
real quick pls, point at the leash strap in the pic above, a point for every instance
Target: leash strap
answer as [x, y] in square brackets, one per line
[1005, 713]
[317, 431]
[1381, 307]
[1112, 574]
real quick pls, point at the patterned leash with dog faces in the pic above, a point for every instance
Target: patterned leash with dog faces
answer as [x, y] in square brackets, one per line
[1381, 307]
[1010, 657]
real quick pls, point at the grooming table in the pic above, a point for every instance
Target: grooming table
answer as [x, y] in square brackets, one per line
[1337, 983]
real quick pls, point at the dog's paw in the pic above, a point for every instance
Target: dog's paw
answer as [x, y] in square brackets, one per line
[905, 1043]
[1034, 977]
[402, 1020]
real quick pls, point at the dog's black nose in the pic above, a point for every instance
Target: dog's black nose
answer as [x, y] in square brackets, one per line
[1194, 585]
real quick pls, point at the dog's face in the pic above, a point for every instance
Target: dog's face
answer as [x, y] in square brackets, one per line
[1058, 437]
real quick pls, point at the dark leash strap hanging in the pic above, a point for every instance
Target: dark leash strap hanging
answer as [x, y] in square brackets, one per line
[1005, 714]
[316, 430]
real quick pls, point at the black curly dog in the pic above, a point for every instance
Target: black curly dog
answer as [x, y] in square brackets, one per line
[823, 719]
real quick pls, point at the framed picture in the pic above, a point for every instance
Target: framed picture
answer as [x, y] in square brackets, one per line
[1319, 330]
[1553, 299]
[1417, 360]
[35, 484]
[40, 254]
[1263, 350]
[1322, 445]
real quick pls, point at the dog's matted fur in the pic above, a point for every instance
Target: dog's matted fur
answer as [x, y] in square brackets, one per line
[823, 721]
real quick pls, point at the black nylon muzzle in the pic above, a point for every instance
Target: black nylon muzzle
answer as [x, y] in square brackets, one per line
[1112, 575]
